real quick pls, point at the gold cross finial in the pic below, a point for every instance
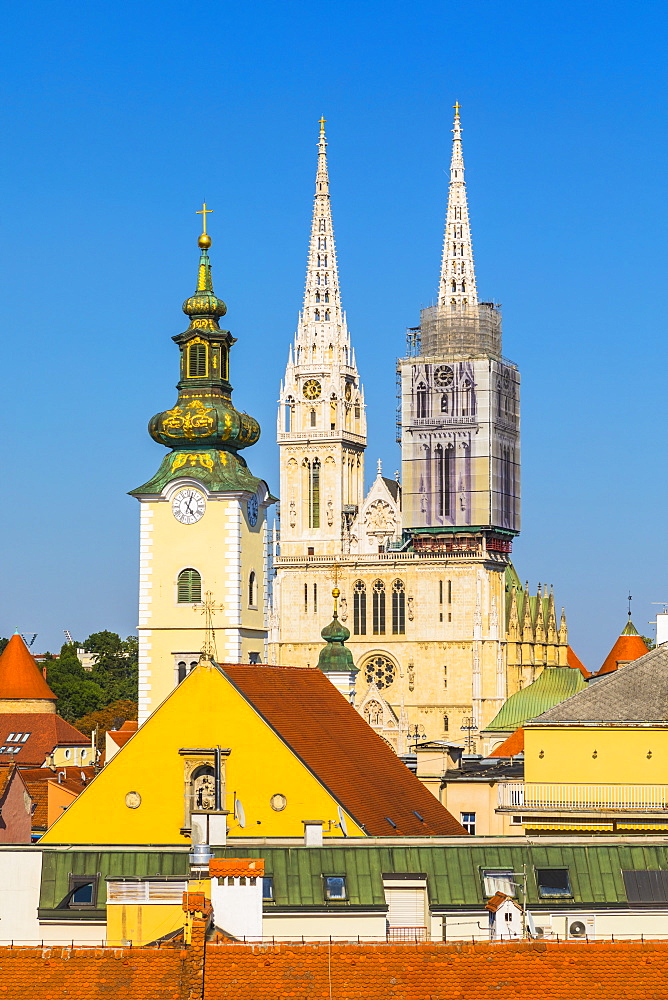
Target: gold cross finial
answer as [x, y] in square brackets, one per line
[208, 608]
[456, 106]
[322, 125]
[204, 211]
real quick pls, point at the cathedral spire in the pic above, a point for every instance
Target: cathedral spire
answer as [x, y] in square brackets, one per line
[457, 289]
[322, 318]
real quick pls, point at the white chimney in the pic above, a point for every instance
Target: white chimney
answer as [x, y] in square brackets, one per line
[312, 833]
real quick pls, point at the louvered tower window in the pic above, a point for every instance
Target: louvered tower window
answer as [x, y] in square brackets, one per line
[189, 587]
[378, 607]
[197, 361]
[398, 608]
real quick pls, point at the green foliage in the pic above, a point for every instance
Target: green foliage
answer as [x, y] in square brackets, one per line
[112, 679]
[3, 643]
[648, 642]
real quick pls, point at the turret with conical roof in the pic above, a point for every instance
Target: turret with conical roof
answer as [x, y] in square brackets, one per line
[204, 430]
[22, 684]
[628, 646]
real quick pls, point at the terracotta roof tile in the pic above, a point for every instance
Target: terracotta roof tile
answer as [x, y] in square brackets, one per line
[20, 677]
[512, 746]
[36, 781]
[358, 767]
[533, 970]
[34, 735]
[626, 648]
[231, 867]
[573, 660]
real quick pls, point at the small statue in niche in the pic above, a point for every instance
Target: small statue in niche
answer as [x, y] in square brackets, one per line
[410, 611]
[411, 677]
[205, 792]
[343, 609]
[330, 513]
[293, 514]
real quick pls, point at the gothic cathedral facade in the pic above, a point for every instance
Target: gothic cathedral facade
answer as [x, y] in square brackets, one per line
[442, 631]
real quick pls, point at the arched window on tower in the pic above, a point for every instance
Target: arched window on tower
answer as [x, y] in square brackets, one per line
[326, 296]
[317, 296]
[313, 418]
[197, 361]
[378, 607]
[288, 414]
[189, 587]
[398, 608]
[252, 590]
[321, 225]
[327, 315]
[332, 415]
[463, 286]
[317, 279]
[422, 401]
[314, 494]
[316, 316]
[453, 304]
[359, 608]
[453, 287]
[442, 459]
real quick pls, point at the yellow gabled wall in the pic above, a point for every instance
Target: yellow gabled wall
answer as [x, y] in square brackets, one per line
[593, 755]
[205, 711]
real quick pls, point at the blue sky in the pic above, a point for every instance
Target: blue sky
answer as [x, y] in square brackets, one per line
[117, 122]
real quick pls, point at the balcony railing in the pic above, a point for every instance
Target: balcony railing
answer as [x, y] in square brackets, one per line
[521, 795]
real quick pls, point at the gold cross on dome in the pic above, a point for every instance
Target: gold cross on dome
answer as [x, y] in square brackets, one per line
[204, 211]
[208, 608]
[456, 106]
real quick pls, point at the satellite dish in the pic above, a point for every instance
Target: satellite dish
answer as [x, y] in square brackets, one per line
[239, 814]
[342, 822]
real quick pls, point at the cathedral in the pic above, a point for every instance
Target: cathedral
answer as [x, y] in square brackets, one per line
[442, 630]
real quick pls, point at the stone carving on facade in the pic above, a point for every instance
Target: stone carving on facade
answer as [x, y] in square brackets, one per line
[409, 608]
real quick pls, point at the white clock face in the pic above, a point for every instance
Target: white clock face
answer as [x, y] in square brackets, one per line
[252, 507]
[188, 506]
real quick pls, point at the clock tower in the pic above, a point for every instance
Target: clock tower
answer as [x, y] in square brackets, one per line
[321, 419]
[202, 516]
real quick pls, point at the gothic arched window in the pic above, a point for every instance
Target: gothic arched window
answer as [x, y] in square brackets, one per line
[317, 315]
[252, 590]
[422, 400]
[359, 608]
[326, 296]
[326, 314]
[189, 587]
[446, 723]
[313, 419]
[398, 608]
[373, 713]
[314, 493]
[317, 296]
[378, 607]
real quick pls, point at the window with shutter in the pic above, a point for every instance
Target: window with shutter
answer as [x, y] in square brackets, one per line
[406, 913]
[197, 361]
[189, 587]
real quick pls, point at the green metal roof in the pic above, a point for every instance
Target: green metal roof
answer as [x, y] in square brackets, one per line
[57, 865]
[453, 872]
[554, 685]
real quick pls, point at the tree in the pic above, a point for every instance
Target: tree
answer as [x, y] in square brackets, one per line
[109, 717]
[116, 665]
[76, 691]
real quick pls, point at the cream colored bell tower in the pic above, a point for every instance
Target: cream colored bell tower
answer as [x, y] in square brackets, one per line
[321, 419]
[202, 581]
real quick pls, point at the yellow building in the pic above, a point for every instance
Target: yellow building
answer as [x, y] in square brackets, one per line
[263, 751]
[203, 514]
[598, 762]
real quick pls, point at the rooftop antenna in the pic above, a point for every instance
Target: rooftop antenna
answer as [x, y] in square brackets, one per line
[28, 642]
[68, 636]
[629, 599]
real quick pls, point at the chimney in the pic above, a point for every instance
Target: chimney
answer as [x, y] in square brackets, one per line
[312, 833]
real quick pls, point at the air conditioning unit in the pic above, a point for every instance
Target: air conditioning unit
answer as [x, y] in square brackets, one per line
[581, 925]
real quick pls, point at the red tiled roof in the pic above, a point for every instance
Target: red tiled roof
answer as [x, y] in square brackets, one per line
[626, 648]
[94, 973]
[512, 746]
[530, 970]
[36, 781]
[20, 677]
[43, 733]
[125, 733]
[574, 661]
[231, 867]
[336, 744]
